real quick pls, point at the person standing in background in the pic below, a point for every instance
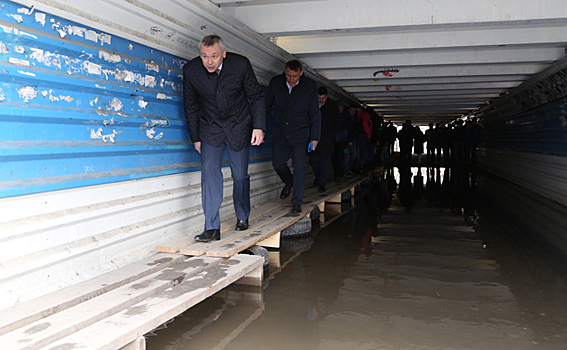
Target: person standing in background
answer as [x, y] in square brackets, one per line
[320, 159]
[297, 121]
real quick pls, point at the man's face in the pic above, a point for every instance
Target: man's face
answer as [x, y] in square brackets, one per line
[292, 76]
[323, 99]
[352, 111]
[212, 57]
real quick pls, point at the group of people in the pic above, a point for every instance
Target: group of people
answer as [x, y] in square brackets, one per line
[226, 109]
[449, 145]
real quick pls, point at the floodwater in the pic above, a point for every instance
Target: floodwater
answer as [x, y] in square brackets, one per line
[440, 259]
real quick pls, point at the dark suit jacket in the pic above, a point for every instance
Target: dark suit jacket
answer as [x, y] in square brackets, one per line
[297, 117]
[228, 106]
[329, 127]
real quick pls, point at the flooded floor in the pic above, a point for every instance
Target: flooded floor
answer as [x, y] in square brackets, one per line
[434, 260]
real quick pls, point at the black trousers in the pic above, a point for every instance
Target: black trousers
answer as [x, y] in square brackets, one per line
[321, 164]
[281, 151]
[338, 158]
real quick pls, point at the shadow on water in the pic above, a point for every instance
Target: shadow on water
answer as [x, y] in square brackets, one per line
[428, 258]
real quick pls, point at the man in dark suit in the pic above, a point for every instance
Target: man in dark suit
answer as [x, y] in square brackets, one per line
[297, 122]
[320, 159]
[224, 108]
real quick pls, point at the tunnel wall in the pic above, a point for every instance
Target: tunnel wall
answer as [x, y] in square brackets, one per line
[525, 134]
[96, 164]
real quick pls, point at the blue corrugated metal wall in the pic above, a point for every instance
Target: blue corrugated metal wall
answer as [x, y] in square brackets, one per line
[80, 107]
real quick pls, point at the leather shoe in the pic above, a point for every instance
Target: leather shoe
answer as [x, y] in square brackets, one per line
[286, 191]
[208, 235]
[296, 208]
[241, 225]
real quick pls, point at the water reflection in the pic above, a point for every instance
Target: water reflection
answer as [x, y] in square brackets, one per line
[428, 258]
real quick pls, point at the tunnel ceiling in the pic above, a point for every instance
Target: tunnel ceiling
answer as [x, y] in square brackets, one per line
[428, 61]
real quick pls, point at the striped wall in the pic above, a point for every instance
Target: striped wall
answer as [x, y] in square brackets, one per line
[96, 165]
[525, 134]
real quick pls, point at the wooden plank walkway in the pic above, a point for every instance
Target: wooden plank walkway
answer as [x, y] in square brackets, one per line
[130, 302]
[266, 222]
[114, 310]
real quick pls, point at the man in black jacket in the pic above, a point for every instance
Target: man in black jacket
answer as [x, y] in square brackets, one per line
[320, 159]
[224, 108]
[297, 122]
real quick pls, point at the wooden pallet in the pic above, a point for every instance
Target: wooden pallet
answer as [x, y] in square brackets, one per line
[116, 309]
[268, 221]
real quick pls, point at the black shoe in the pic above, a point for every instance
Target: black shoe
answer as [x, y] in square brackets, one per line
[296, 208]
[322, 189]
[241, 225]
[315, 183]
[286, 191]
[208, 235]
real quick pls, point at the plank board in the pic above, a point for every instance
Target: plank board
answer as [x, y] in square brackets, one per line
[124, 327]
[66, 322]
[272, 241]
[201, 248]
[31, 311]
[178, 244]
[251, 238]
[233, 238]
[312, 197]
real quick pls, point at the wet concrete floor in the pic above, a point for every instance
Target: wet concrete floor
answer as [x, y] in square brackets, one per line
[447, 260]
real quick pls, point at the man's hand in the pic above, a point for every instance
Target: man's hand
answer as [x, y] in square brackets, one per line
[257, 137]
[314, 144]
[197, 146]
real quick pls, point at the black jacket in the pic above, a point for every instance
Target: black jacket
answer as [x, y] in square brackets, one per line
[329, 126]
[297, 116]
[228, 106]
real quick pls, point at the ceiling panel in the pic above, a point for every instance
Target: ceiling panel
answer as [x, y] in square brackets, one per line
[414, 59]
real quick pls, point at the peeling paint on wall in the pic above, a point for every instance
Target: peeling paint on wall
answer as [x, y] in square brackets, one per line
[93, 68]
[150, 81]
[108, 122]
[10, 30]
[84, 97]
[110, 57]
[161, 96]
[53, 98]
[26, 73]
[40, 18]
[19, 62]
[116, 104]
[105, 138]
[151, 132]
[27, 93]
[152, 66]
[91, 35]
[17, 17]
[26, 11]
[156, 122]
